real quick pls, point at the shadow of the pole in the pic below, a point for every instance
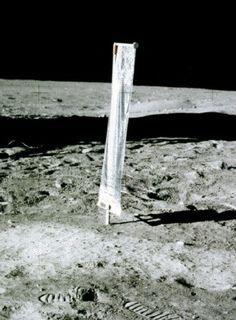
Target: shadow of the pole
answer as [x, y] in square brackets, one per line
[186, 217]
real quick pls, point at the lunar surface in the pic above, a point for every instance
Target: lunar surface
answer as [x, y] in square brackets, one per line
[173, 249]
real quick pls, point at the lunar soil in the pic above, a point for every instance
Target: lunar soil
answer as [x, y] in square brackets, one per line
[173, 249]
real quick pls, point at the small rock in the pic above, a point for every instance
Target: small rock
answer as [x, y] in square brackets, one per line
[222, 223]
[2, 290]
[84, 151]
[234, 286]
[100, 264]
[201, 174]
[44, 193]
[57, 185]
[11, 223]
[17, 272]
[82, 312]
[217, 164]
[183, 282]
[224, 165]
[3, 205]
[188, 244]
[115, 264]
[159, 195]
[162, 279]
[191, 207]
[79, 265]
[180, 243]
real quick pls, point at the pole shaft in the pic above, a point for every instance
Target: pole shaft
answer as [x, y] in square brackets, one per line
[122, 83]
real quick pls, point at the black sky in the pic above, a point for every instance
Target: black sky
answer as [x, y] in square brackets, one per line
[188, 46]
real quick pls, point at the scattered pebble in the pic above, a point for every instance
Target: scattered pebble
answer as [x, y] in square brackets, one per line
[2, 290]
[234, 286]
[84, 151]
[100, 264]
[217, 164]
[79, 265]
[184, 282]
[11, 223]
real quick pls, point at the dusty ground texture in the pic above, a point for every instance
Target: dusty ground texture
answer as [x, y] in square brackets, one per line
[173, 248]
[48, 99]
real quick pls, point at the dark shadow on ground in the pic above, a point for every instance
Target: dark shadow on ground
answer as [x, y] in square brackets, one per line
[59, 132]
[187, 216]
